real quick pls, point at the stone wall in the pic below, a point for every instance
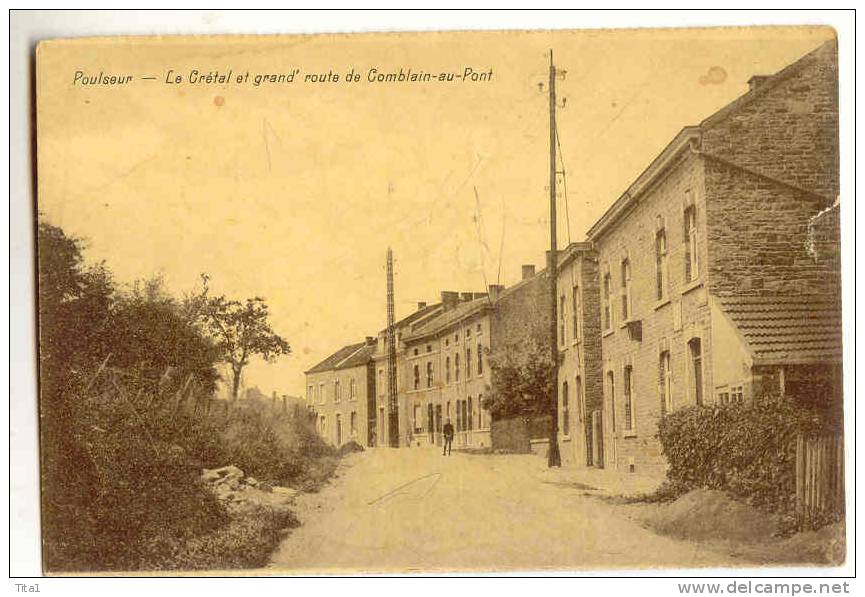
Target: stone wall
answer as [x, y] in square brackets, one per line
[771, 172]
[787, 130]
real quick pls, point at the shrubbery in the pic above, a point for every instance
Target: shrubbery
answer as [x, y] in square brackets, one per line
[749, 451]
[128, 420]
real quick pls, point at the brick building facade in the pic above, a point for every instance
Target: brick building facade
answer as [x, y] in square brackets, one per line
[717, 277]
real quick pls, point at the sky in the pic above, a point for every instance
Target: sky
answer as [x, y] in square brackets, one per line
[294, 191]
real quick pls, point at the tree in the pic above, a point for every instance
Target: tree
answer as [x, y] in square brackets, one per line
[521, 381]
[242, 330]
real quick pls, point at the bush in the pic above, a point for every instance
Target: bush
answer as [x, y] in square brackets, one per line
[749, 451]
[126, 386]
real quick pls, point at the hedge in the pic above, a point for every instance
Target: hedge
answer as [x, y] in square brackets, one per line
[748, 451]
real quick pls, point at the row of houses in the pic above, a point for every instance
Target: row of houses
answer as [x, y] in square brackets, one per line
[713, 279]
[442, 368]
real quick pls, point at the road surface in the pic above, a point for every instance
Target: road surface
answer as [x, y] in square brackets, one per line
[412, 510]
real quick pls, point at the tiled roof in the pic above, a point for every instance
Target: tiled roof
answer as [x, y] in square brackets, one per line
[414, 316]
[334, 360]
[446, 318]
[788, 329]
[360, 357]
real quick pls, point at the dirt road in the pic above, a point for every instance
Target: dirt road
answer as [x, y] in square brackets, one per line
[415, 510]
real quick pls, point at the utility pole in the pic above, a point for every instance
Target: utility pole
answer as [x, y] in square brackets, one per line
[392, 405]
[553, 456]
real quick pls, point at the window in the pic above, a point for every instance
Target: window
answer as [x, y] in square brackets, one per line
[691, 265]
[661, 272]
[480, 411]
[352, 389]
[353, 424]
[566, 414]
[478, 329]
[562, 331]
[578, 396]
[457, 367]
[737, 395]
[471, 413]
[468, 362]
[626, 289]
[665, 382]
[310, 393]
[429, 347]
[468, 332]
[447, 342]
[321, 397]
[416, 377]
[608, 323]
[456, 338]
[695, 351]
[611, 387]
[628, 392]
[337, 391]
[480, 359]
[415, 352]
[338, 429]
[448, 369]
[724, 398]
[322, 425]
[381, 382]
[429, 374]
[575, 308]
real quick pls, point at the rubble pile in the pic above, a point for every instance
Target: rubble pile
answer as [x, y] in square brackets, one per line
[239, 492]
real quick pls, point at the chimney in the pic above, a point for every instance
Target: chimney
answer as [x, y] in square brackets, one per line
[528, 271]
[756, 81]
[494, 291]
[467, 297]
[370, 340]
[421, 305]
[450, 298]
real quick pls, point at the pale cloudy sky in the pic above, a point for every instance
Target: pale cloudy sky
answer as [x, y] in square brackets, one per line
[294, 192]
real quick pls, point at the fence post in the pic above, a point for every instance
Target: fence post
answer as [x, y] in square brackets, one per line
[800, 477]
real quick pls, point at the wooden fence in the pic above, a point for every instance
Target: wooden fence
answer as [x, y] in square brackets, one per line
[819, 477]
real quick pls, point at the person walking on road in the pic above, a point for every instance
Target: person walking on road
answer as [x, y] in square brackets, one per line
[449, 437]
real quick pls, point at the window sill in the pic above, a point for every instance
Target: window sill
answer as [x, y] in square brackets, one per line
[692, 285]
[661, 303]
[607, 332]
[625, 323]
[628, 433]
[566, 438]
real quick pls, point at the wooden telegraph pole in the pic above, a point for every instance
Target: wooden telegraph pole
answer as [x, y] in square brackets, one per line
[553, 456]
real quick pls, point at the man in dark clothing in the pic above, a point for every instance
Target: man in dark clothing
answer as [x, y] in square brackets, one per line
[449, 437]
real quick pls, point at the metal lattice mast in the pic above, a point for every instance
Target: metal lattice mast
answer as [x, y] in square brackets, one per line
[392, 405]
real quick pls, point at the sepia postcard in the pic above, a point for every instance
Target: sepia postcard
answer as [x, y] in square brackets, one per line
[440, 302]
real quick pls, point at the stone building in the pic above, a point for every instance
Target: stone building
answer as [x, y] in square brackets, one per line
[341, 391]
[718, 281]
[424, 312]
[579, 373]
[446, 369]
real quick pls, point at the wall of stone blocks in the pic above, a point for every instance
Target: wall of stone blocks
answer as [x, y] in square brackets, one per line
[789, 132]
